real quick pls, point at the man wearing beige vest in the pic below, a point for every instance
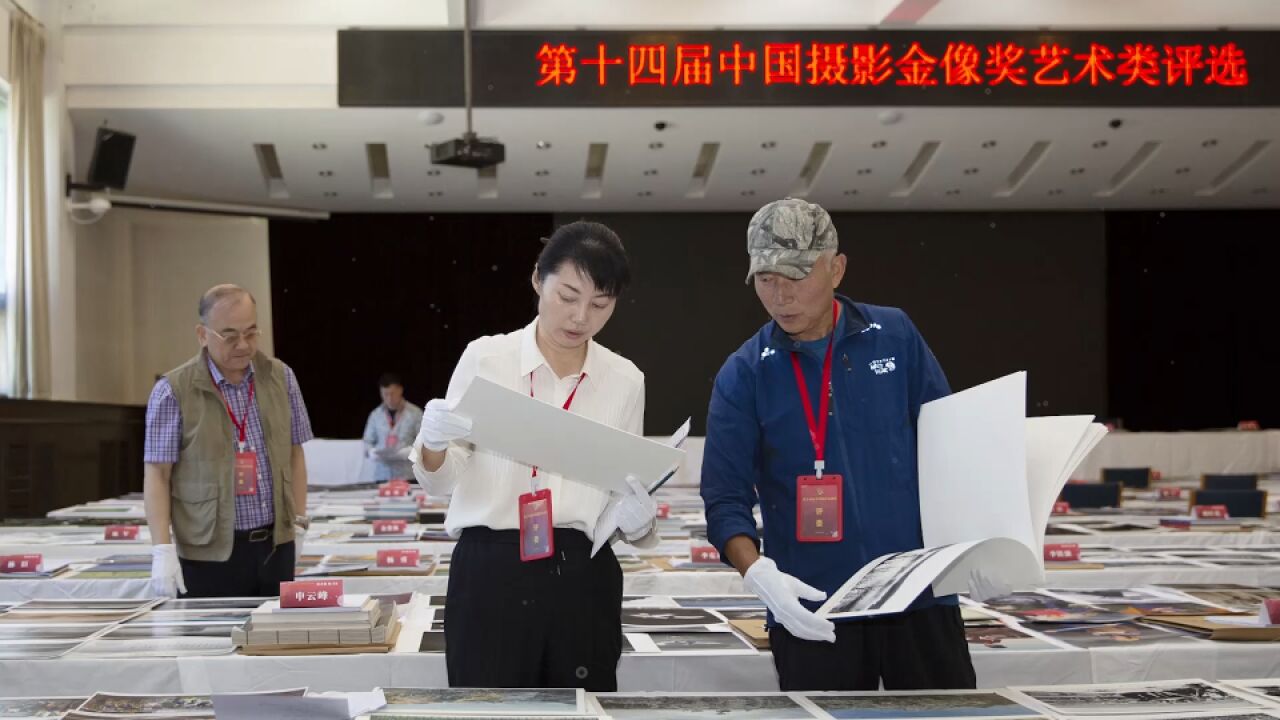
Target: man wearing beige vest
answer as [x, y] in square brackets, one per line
[225, 483]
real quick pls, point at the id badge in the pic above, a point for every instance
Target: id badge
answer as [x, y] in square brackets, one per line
[537, 538]
[819, 508]
[392, 442]
[246, 473]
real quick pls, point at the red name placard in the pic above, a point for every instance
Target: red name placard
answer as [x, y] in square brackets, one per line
[390, 490]
[1062, 552]
[1061, 507]
[311, 593]
[21, 563]
[870, 64]
[1248, 425]
[664, 511]
[398, 558]
[1210, 512]
[704, 554]
[121, 532]
[1170, 493]
[389, 527]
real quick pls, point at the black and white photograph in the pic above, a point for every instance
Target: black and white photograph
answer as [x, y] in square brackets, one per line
[719, 602]
[129, 704]
[1120, 634]
[546, 701]
[1174, 696]
[690, 642]
[23, 708]
[924, 704]
[659, 706]
[644, 619]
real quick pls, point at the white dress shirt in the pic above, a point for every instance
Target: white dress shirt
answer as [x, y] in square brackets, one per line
[486, 487]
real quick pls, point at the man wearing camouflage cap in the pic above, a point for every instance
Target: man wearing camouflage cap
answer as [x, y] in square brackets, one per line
[819, 409]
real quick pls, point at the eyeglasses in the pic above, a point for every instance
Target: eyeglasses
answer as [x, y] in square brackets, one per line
[234, 338]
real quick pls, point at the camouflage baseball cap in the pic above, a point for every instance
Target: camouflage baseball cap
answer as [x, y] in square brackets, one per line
[787, 237]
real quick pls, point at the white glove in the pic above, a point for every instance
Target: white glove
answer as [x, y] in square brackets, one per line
[983, 587]
[782, 593]
[441, 425]
[403, 453]
[166, 572]
[632, 513]
[299, 534]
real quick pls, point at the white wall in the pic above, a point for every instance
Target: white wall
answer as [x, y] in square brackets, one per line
[140, 277]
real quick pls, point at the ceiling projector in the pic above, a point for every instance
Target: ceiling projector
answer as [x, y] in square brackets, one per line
[469, 151]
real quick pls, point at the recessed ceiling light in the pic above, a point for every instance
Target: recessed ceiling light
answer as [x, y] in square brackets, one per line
[433, 173]
[541, 173]
[757, 171]
[864, 171]
[1182, 171]
[644, 193]
[436, 193]
[953, 192]
[330, 193]
[650, 173]
[850, 192]
[1077, 171]
[987, 145]
[748, 193]
[971, 171]
[878, 144]
[543, 145]
[656, 145]
[319, 146]
[539, 193]
[326, 173]
[768, 145]
[1099, 144]
[1209, 143]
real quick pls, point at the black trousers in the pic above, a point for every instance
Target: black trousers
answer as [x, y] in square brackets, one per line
[547, 623]
[255, 569]
[920, 650]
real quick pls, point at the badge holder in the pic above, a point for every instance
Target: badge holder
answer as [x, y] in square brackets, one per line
[246, 472]
[537, 534]
[819, 508]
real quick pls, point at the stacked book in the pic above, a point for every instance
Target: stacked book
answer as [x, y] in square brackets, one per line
[359, 621]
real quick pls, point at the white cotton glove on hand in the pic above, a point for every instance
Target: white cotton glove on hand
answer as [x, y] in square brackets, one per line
[983, 587]
[782, 593]
[441, 425]
[632, 513]
[166, 572]
[299, 534]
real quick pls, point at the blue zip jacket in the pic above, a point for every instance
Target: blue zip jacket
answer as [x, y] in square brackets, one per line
[758, 443]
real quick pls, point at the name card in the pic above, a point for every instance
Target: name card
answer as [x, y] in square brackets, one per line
[1061, 507]
[405, 557]
[1210, 512]
[664, 511]
[1170, 493]
[390, 490]
[311, 594]
[1248, 425]
[21, 563]
[704, 554]
[121, 532]
[389, 527]
[1062, 552]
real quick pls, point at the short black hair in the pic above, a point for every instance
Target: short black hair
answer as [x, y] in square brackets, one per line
[388, 379]
[594, 249]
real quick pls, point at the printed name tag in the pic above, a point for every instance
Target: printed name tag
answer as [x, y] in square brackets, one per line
[1210, 512]
[311, 593]
[704, 554]
[246, 473]
[819, 511]
[390, 490]
[21, 563]
[389, 527]
[398, 558]
[537, 534]
[121, 532]
[1061, 507]
[1062, 552]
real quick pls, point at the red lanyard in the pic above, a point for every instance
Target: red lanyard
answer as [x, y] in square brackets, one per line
[818, 428]
[391, 418]
[568, 401]
[241, 425]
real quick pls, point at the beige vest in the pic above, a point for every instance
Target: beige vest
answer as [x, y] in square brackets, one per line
[202, 485]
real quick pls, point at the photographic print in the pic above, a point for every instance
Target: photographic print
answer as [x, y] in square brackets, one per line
[961, 704]
[49, 632]
[879, 583]
[70, 606]
[1167, 608]
[640, 619]
[1022, 601]
[720, 602]
[37, 707]
[1126, 634]
[1003, 637]
[156, 632]
[1269, 689]
[545, 701]
[670, 642]
[1236, 599]
[760, 614]
[1121, 595]
[241, 603]
[37, 649]
[741, 706]
[122, 704]
[1174, 696]
[1071, 614]
[432, 642]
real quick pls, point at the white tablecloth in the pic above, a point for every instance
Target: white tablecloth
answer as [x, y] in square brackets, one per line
[1186, 454]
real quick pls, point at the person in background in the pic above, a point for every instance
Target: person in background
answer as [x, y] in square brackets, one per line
[225, 479]
[390, 431]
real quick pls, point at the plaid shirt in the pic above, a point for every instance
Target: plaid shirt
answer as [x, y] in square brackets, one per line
[164, 437]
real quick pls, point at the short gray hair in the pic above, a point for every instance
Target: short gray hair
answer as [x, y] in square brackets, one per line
[217, 294]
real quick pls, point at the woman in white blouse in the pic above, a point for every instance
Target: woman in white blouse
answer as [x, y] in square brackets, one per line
[527, 608]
